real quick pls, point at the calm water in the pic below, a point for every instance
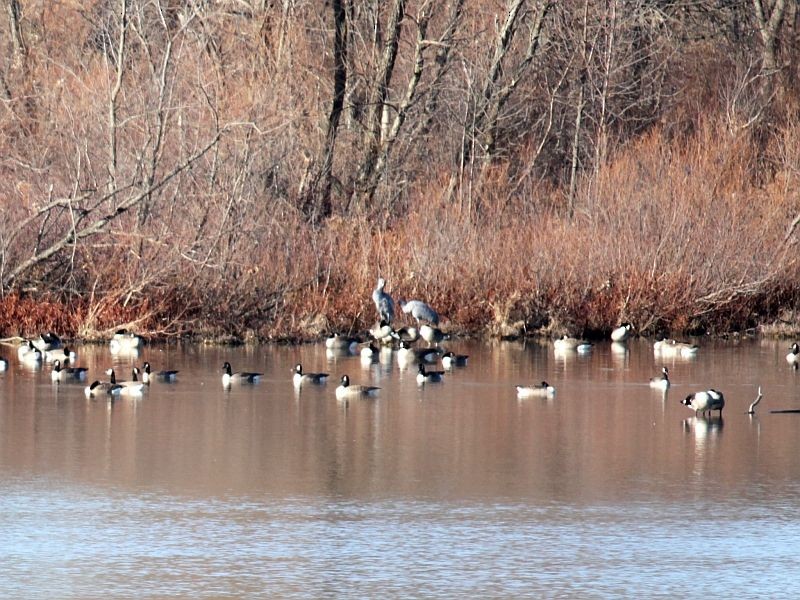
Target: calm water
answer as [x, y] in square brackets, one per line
[611, 489]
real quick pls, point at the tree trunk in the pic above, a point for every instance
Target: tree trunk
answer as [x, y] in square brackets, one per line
[317, 197]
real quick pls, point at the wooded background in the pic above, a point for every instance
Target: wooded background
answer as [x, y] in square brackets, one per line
[251, 167]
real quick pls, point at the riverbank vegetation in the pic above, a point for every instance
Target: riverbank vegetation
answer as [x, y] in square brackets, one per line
[249, 168]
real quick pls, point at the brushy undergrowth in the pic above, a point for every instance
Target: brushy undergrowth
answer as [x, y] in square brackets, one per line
[670, 236]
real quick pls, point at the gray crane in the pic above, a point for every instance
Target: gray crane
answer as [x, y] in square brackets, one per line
[383, 301]
[420, 311]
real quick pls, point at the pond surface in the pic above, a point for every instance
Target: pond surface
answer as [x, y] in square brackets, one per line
[610, 489]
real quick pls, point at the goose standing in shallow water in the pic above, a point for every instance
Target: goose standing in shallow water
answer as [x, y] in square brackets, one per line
[383, 333]
[662, 381]
[542, 390]
[229, 377]
[433, 335]
[420, 310]
[383, 302]
[705, 401]
[621, 333]
[299, 378]
[346, 390]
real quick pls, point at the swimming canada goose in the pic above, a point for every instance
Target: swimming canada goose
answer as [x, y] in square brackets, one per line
[63, 354]
[60, 373]
[793, 358]
[149, 376]
[25, 348]
[670, 347]
[567, 343]
[407, 355]
[542, 390]
[47, 341]
[229, 377]
[102, 388]
[450, 360]
[300, 378]
[341, 342]
[706, 401]
[754, 403]
[424, 376]
[662, 381]
[3, 364]
[432, 335]
[346, 390]
[123, 341]
[621, 333]
[383, 302]
[420, 310]
[129, 388]
[33, 356]
[382, 333]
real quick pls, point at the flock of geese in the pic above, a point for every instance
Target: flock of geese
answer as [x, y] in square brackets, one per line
[49, 348]
[383, 337]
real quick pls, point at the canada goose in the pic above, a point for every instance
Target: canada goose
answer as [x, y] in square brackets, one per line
[300, 378]
[24, 348]
[370, 352]
[346, 390]
[756, 402]
[407, 334]
[407, 355]
[123, 340]
[47, 341]
[567, 343]
[621, 333]
[229, 377]
[382, 333]
[424, 376]
[3, 364]
[542, 390]
[340, 342]
[420, 311]
[129, 388]
[450, 360]
[63, 354]
[793, 358]
[705, 401]
[432, 335]
[60, 373]
[670, 347]
[102, 388]
[149, 376]
[33, 356]
[383, 301]
[662, 381]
